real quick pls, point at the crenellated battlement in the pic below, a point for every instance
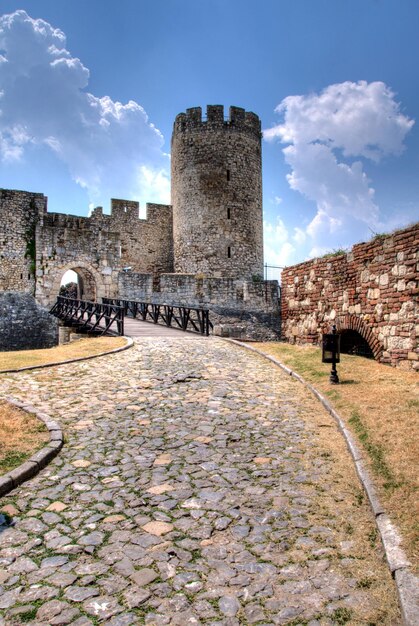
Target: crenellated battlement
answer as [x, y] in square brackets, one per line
[126, 209]
[238, 118]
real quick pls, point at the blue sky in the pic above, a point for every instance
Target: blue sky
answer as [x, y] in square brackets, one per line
[86, 111]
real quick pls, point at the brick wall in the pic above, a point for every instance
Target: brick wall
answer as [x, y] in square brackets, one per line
[372, 289]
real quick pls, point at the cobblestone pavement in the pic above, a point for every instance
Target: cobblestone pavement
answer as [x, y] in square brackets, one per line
[198, 485]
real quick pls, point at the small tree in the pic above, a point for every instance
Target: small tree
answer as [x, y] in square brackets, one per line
[69, 290]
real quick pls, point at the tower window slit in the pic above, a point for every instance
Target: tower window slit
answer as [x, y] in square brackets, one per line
[228, 213]
[228, 174]
[229, 252]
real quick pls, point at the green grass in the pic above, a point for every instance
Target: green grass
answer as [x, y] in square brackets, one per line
[375, 451]
[333, 253]
[28, 616]
[12, 459]
[342, 615]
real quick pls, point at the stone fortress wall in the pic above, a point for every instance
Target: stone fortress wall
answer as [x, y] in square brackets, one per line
[24, 324]
[373, 289]
[20, 212]
[217, 193]
[39, 247]
[239, 308]
[207, 251]
[102, 245]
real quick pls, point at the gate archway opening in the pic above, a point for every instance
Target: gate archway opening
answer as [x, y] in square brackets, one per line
[78, 282]
[351, 342]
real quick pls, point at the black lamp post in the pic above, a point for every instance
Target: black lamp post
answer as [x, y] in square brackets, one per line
[331, 352]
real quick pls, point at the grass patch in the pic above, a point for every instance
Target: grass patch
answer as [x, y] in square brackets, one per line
[375, 451]
[74, 350]
[28, 616]
[341, 615]
[380, 404]
[332, 253]
[21, 435]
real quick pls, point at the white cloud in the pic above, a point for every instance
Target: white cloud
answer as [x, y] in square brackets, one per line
[327, 135]
[299, 236]
[281, 248]
[44, 103]
[153, 184]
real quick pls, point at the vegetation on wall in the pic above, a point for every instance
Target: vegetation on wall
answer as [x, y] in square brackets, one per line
[30, 252]
[333, 253]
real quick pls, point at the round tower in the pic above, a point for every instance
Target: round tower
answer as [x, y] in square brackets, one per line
[217, 193]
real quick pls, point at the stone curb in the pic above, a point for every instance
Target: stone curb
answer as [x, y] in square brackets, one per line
[128, 345]
[406, 582]
[40, 459]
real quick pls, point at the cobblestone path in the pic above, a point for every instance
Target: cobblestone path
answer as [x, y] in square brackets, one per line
[198, 485]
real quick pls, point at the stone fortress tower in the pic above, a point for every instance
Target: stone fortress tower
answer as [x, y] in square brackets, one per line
[217, 193]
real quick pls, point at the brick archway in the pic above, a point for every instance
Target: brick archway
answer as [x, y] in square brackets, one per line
[352, 322]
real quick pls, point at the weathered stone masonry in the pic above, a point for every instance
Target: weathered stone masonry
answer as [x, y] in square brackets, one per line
[239, 308]
[38, 247]
[24, 324]
[217, 193]
[102, 245]
[19, 215]
[373, 289]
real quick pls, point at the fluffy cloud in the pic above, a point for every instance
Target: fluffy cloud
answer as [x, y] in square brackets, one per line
[110, 148]
[280, 249]
[330, 136]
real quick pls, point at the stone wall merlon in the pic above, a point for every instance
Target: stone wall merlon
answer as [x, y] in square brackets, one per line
[155, 212]
[238, 118]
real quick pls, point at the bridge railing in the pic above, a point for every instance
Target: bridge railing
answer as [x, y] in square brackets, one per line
[195, 319]
[93, 317]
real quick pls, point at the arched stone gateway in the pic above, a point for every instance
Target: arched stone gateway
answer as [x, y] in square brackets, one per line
[91, 283]
[86, 284]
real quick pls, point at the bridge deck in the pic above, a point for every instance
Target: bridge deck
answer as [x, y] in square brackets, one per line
[138, 328]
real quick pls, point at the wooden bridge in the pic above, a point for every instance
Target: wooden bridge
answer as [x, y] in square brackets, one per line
[132, 318]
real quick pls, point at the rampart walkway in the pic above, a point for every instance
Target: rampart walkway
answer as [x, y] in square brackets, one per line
[198, 485]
